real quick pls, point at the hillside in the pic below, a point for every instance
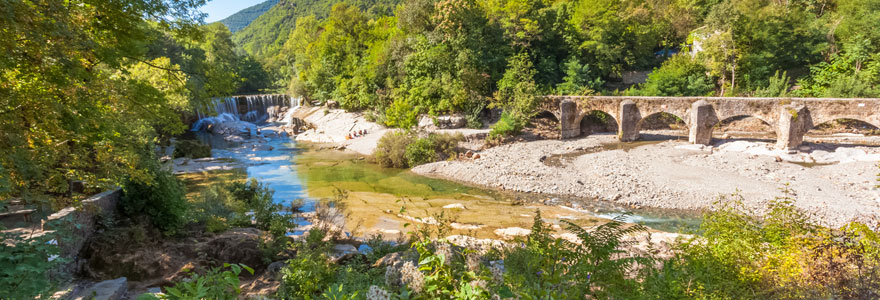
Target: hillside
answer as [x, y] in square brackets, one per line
[265, 36]
[243, 18]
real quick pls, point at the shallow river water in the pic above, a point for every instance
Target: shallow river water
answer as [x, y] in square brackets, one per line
[382, 200]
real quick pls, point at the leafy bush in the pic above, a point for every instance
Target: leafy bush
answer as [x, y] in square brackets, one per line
[553, 268]
[191, 148]
[678, 76]
[780, 256]
[161, 200]
[216, 284]
[508, 125]
[578, 80]
[517, 91]
[309, 274]
[420, 151]
[401, 150]
[778, 87]
[26, 264]
[391, 149]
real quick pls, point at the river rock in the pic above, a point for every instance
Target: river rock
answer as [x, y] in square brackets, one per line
[512, 232]
[105, 290]
[454, 206]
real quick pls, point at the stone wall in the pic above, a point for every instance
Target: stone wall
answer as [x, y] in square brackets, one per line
[78, 224]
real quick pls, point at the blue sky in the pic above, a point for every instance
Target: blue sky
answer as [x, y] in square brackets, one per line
[219, 9]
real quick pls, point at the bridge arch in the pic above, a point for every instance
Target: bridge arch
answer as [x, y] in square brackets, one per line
[595, 121]
[659, 119]
[847, 123]
[731, 120]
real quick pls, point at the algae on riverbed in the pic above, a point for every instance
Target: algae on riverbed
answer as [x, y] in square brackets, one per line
[375, 196]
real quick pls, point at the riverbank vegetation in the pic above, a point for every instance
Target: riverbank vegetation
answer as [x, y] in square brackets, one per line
[400, 149]
[400, 59]
[781, 255]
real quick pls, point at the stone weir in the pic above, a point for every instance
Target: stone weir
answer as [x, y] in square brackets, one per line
[791, 117]
[250, 108]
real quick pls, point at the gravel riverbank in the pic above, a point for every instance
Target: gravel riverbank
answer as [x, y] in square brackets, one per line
[675, 175]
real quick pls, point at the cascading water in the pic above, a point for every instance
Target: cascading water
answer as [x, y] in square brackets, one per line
[226, 109]
[257, 108]
[265, 107]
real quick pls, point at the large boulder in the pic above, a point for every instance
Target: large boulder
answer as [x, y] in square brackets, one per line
[443, 122]
[235, 246]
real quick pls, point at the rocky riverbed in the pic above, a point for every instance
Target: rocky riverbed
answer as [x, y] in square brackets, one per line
[836, 183]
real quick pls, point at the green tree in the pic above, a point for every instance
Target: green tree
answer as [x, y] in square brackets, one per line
[678, 76]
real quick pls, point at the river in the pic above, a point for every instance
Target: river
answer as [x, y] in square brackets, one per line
[383, 201]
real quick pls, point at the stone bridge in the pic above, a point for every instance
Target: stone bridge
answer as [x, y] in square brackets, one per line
[791, 117]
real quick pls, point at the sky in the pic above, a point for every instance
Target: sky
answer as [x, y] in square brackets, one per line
[219, 9]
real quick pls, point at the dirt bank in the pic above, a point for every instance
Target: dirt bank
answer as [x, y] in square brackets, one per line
[676, 175]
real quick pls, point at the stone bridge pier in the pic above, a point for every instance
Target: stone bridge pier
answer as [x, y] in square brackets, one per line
[791, 117]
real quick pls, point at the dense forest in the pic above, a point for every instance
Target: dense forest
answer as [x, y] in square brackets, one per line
[87, 88]
[243, 18]
[426, 56]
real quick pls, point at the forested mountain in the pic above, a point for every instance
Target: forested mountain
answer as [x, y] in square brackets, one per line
[244, 17]
[441, 56]
[264, 37]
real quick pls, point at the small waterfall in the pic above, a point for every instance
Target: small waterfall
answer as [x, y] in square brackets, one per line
[265, 107]
[256, 109]
[288, 116]
[226, 110]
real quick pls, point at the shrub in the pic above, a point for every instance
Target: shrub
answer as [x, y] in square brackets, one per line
[161, 200]
[420, 151]
[553, 268]
[217, 284]
[191, 148]
[26, 264]
[391, 149]
[780, 256]
[678, 76]
[508, 125]
[309, 274]
[402, 150]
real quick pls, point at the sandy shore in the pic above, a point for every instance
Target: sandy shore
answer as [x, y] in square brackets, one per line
[676, 175]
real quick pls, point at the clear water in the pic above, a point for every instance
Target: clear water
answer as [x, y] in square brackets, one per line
[375, 195]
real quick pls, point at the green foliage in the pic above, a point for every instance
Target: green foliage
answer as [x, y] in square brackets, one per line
[402, 149]
[26, 264]
[87, 100]
[517, 90]
[241, 204]
[216, 283]
[553, 268]
[161, 200]
[338, 294]
[853, 72]
[420, 151]
[778, 87]
[446, 277]
[578, 80]
[679, 76]
[309, 273]
[391, 149]
[241, 19]
[191, 149]
[508, 125]
[780, 256]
